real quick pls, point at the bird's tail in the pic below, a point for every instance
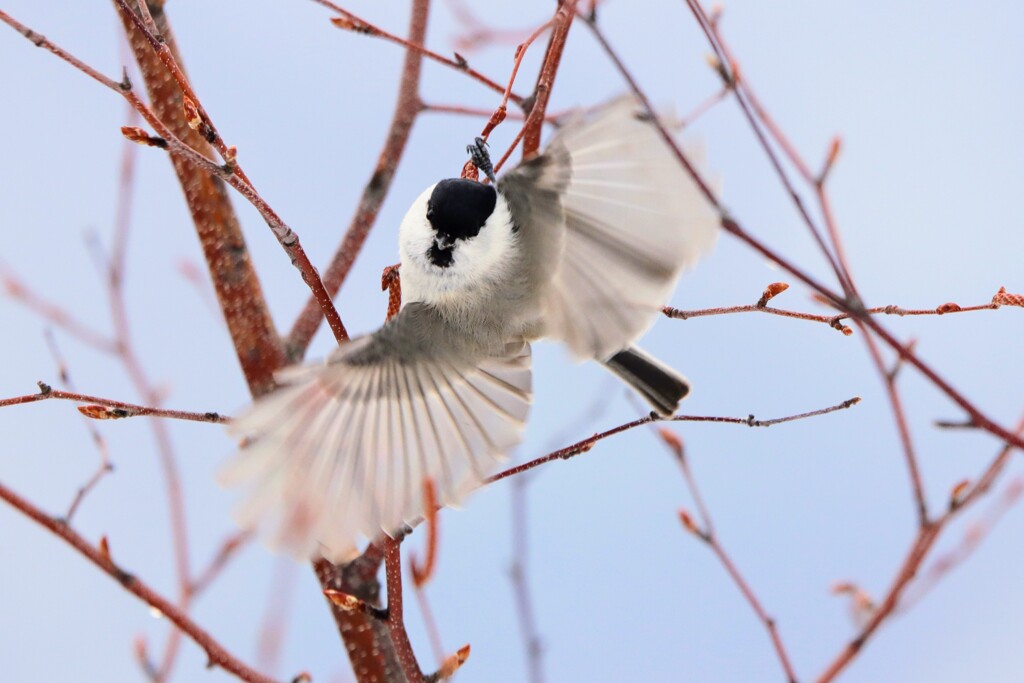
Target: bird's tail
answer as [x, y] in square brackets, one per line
[660, 385]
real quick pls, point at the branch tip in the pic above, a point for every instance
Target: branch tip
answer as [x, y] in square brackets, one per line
[191, 111]
[687, 521]
[451, 664]
[140, 136]
[958, 493]
[770, 292]
[354, 25]
[104, 548]
[1004, 298]
[830, 159]
[422, 574]
[673, 441]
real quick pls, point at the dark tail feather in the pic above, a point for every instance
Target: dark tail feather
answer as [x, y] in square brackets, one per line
[660, 385]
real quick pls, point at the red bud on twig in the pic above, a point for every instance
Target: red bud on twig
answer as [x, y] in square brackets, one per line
[192, 117]
[104, 547]
[453, 663]
[672, 440]
[141, 137]
[688, 522]
[830, 159]
[353, 25]
[956, 495]
[104, 413]
[770, 292]
[1004, 298]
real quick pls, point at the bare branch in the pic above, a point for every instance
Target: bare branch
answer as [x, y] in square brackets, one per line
[586, 444]
[217, 655]
[99, 408]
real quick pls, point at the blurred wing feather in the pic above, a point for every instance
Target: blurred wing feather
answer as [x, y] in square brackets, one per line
[634, 219]
[341, 450]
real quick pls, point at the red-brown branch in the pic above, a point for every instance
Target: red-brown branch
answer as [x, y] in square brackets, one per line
[835, 321]
[923, 542]
[215, 652]
[518, 572]
[560, 23]
[395, 615]
[906, 440]
[100, 408]
[585, 445]
[351, 22]
[421, 573]
[376, 190]
[706, 533]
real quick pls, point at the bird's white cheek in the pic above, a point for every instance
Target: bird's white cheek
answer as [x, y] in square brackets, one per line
[478, 263]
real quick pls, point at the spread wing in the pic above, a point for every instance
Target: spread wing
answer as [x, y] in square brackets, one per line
[633, 220]
[341, 450]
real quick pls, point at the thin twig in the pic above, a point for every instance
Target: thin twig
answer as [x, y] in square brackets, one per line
[706, 533]
[518, 571]
[100, 408]
[561, 22]
[274, 623]
[585, 445]
[976, 533]
[906, 440]
[835, 321]
[231, 174]
[215, 652]
[53, 313]
[926, 537]
[395, 616]
[105, 467]
[407, 107]
[422, 574]
[228, 549]
[354, 23]
[429, 623]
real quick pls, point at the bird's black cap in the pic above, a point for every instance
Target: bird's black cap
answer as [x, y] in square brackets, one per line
[457, 209]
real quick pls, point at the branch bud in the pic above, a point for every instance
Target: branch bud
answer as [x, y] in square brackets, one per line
[141, 137]
[672, 440]
[104, 413]
[353, 25]
[453, 663]
[688, 522]
[1004, 298]
[192, 117]
[104, 548]
[770, 292]
[956, 495]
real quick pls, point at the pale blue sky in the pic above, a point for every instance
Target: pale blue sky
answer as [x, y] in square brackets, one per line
[928, 100]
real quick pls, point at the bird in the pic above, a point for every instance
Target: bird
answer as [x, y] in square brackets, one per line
[582, 244]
